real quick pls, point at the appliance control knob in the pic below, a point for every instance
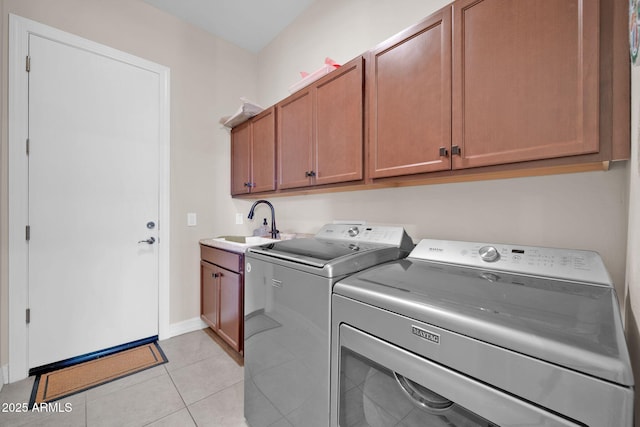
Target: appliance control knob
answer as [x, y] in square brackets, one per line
[353, 231]
[489, 253]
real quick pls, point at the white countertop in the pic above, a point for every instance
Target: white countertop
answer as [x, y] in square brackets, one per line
[233, 246]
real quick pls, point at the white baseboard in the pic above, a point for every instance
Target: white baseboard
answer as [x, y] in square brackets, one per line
[4, 375]
[185, 326]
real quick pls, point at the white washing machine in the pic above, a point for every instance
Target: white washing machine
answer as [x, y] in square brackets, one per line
[288, 317]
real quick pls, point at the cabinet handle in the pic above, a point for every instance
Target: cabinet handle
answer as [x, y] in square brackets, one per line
[443, 152]
[309, 174]
[456, 150]
[216, 275]
[249, 184]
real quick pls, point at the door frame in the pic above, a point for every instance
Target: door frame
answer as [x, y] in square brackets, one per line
[19, 31]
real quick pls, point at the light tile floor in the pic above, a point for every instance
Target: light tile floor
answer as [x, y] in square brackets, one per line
[200, 386]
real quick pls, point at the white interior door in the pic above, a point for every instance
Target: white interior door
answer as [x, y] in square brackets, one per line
[93, 192]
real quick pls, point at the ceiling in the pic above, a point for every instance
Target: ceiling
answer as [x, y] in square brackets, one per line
[250, 24]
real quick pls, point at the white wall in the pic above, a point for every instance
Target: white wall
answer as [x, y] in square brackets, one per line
[337, 29]
[208, 75]
[632, 298]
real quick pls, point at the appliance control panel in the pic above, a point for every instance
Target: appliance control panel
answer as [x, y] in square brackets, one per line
[566, 264]
[380, 234]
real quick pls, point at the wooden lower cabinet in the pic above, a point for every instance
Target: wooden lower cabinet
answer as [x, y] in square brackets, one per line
[222, 294]
[209, 294]
[230, 310]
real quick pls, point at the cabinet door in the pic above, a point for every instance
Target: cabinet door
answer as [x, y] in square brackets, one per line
[263, 152]
[525, 80]
[410, 100]
[339, 125]
[209, 294]
[294, 140]
[231, 316]
[241, 158]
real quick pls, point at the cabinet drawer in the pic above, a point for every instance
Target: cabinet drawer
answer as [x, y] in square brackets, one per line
[229, 260]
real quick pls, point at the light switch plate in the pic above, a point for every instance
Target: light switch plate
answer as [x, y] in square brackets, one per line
[192, 219]
[239, 218]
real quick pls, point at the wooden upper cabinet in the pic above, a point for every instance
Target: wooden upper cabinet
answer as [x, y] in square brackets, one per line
[339, 127]
[241, 158]
[263, 153]
[320, 130]
[525, 80]
[253, 155]
[410, 100]
[295, 136]
[497, 85]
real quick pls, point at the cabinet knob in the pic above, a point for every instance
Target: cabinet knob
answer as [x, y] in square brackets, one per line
[216, 275]
[310, 174]
[456, 150]
[443, 152]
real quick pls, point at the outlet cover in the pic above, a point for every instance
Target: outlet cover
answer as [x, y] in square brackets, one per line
[192, 220]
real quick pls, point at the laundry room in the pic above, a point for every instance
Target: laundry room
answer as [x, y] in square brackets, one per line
[534, 150]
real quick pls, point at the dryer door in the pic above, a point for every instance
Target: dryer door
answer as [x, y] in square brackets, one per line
[383, 385]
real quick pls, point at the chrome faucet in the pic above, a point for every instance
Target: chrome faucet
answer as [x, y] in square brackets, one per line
[274, 231]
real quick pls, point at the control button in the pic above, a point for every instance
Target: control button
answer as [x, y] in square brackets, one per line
[489, 253]
[354, 231]
[490, 277]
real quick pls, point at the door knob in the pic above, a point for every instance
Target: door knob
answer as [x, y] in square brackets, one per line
[150, 240]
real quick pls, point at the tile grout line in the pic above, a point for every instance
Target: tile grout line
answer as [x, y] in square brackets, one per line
[181, 398]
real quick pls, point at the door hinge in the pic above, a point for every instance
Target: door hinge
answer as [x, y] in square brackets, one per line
[27, 146]
[27, 233]
[28, 63]
[28, 315]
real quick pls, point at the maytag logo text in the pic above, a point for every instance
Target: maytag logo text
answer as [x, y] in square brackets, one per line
[429, 336]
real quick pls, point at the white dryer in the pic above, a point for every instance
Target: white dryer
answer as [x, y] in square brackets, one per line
[475, 334]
